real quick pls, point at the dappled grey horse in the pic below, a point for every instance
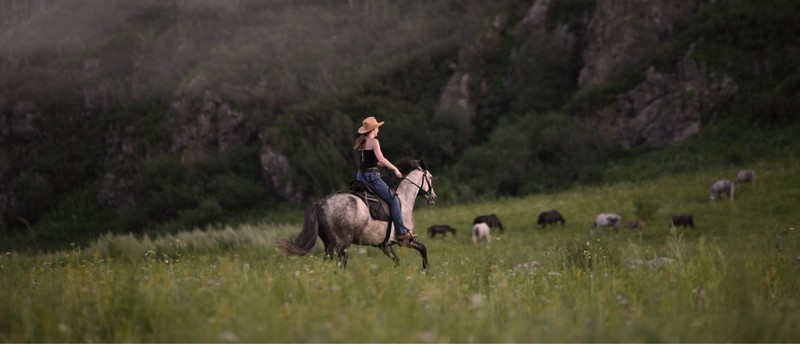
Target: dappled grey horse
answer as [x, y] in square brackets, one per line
[343, 219]
[721, 187]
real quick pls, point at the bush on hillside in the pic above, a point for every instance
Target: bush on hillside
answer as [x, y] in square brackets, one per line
[196, 195]
[532, 153]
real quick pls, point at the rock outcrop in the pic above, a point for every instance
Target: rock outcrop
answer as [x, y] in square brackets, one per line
[622, 32]
[211, 125]
[277, 171]
[664, 108]
[466, 87]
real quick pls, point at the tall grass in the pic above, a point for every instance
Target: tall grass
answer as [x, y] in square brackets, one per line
[733, 279]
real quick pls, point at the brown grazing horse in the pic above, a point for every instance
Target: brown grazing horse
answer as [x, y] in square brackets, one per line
[440, 230]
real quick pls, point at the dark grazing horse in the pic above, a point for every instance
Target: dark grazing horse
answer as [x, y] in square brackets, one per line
[491, 220]
[343, 219]
[681, 220]
[550, 217]
[440, 229]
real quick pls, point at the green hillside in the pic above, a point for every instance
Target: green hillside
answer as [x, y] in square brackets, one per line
[731, 279]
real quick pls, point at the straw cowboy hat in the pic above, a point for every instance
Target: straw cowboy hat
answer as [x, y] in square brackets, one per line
[369, 124]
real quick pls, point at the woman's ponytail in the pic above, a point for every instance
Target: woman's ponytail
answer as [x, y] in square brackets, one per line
[360, 141]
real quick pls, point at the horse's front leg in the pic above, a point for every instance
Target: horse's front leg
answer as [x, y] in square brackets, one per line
[390, 253]
[422, 251]
[342, 253]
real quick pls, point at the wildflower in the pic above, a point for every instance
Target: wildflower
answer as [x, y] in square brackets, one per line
[477, 299]
[63, 328]
[228, 336]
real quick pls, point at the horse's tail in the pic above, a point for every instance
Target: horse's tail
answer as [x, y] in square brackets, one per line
[307, 238]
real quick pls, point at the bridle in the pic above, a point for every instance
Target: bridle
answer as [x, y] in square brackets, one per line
[425, 179]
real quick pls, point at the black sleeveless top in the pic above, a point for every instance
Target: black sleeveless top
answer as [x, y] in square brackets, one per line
[368, 159]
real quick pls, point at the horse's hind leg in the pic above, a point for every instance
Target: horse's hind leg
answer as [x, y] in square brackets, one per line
[423, 252]
[329, 244]
[390, 253]
[328, 251]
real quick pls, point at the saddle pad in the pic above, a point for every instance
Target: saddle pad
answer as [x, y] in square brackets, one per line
[378, 208]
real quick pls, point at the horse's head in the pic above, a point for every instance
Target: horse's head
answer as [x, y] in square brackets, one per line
[427, 179]
[425, 183]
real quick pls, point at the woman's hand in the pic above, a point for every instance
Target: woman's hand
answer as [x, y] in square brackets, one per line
[397, 173]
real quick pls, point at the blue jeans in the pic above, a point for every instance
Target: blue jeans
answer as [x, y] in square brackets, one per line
[374, 181]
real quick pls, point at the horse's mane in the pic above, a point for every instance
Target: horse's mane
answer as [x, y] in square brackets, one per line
[405, 165]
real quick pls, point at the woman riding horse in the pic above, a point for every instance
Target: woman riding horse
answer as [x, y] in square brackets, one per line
[369, 149]
[343, 219]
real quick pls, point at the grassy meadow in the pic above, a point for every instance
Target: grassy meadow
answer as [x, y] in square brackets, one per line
[735, 278]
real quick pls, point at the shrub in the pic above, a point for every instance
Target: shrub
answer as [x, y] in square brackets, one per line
[532, 153]
[209, 211]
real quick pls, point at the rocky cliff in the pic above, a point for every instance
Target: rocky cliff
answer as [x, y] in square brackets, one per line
[665, 107]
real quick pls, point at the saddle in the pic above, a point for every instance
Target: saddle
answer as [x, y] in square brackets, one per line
[378, 208]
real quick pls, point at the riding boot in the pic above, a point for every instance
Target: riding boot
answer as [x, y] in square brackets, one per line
[404, 239]
[411, 233]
